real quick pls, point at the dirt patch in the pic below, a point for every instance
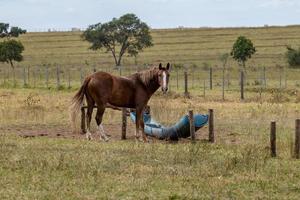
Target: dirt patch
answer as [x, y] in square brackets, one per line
[113, 130]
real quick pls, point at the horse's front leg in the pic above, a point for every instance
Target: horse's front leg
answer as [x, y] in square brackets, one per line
[137, 124]
[140, 123]
[143, 130]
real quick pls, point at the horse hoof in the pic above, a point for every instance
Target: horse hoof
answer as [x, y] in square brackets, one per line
[105, 139]
[140, 139]
[146, 141]
[89, 138]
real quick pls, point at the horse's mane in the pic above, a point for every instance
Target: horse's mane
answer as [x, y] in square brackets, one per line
[146, 76]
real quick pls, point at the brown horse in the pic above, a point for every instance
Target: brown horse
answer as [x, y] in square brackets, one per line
[133, 91]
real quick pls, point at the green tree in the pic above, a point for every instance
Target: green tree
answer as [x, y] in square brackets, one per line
[293, 57]
[3, 30]
[127, 34]
[11, 49]
[13, 32]
[242, 50]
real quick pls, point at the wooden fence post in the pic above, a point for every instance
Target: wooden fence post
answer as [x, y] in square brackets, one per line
[193, 74]
[8, 74]
[211, 133]
[280, 77]
[3, 76]
[34, 77]
[210, 79]
[69, 78]
[264, 77]
[186, 93]
[223, 84]
[47, 76]
[28, 75]
[192, 125]
[261, 82]
[285, 79]
[124, 123]
[297, 139]
[57, 78]
[273, 139]
[228, 79]
[14, 78]
[120, 70]
[24, 76]
[242, 85]
[40, 74]
[170, 85]
[83, 130]
[177, 78]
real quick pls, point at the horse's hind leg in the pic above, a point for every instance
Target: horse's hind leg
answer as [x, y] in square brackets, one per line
[99, 115]
[90, 105]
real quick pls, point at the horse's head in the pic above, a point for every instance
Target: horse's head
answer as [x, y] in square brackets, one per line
[163, 77]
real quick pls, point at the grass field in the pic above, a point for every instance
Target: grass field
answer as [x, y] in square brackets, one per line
[186, 46]
[41, 158]
[238, 166]
[66, 169]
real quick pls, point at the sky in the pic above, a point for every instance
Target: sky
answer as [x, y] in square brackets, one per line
[40, 15]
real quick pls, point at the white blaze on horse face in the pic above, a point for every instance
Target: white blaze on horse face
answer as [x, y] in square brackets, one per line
[164, 81]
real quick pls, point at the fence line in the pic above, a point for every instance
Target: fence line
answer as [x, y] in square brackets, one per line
[218, 79]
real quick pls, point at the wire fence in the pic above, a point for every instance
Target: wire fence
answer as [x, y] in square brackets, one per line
[198, 80]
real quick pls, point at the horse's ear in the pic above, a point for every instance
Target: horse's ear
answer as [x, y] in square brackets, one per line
[160, 66]
[168, 66]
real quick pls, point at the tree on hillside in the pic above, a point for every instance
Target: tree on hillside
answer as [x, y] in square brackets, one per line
[127, 34]
[13, 32]
[242, 50]
[10, 49]
[293, 57]
[224, 58]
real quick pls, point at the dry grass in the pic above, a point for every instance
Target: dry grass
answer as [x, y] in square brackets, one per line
[191, 46]
[238, 166]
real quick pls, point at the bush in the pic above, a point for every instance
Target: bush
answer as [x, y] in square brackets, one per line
[178, 65]
[293, 57]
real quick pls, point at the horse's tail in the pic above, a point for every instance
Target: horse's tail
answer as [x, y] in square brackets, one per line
[77, 101]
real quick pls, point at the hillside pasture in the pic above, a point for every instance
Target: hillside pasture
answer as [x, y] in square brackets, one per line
[186, 46]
